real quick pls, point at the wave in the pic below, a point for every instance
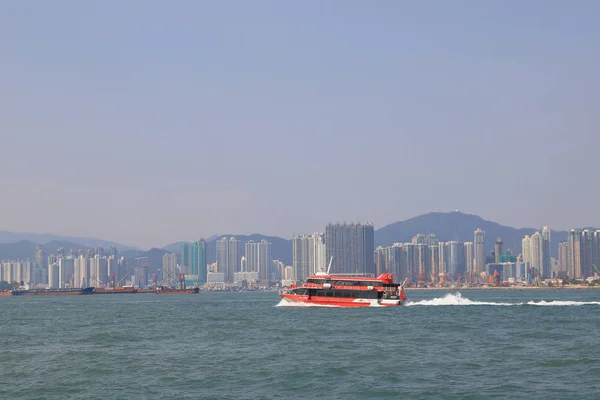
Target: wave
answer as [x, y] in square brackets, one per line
[284, 303]
[563, 303]
[455, 300]
[458, 300]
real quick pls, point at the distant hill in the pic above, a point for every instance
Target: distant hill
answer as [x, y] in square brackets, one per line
[12, 237]
[173, 248]
[25, 249]
[459, 226]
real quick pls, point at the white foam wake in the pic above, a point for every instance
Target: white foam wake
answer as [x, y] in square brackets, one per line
[458, 300]
[563, 303]
[284, 303]
[455, 300]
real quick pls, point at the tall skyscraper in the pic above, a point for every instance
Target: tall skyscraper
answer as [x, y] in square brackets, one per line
[526, 250]
[308, 255]
[574, 253]
[259, 259]
[351, 246]
[498, 249]
[456, 260]
[41, 258]
[229, 254]
[587, 253]
[563, 249]
[596, 265]
[193, 259]
[469, 264]
[201, 261]
[185, 256]
[537, 256]
[169, 267]
[479, 248]
[546, 259]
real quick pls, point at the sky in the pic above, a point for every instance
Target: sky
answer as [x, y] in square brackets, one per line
[149, 122]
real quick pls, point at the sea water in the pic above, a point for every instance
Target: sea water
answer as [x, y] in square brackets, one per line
[505, 344]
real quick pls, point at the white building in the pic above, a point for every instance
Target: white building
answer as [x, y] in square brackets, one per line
[479, 249]
[169, 269]
[308, 255]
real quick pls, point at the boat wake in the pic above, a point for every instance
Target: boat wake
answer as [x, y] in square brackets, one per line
[563, 303]
[455, 300]
[458, 300]
[284, 303]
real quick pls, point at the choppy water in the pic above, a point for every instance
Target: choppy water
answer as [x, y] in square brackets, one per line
[445, 345]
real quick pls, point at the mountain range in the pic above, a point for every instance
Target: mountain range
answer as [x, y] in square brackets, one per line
[11, 237]
[446, 226]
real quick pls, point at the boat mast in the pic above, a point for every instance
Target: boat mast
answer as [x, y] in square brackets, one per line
[329, 267]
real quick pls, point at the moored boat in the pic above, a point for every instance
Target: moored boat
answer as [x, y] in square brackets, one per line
[116, 290]
[48, 292]
[167, 290]
[347, 291]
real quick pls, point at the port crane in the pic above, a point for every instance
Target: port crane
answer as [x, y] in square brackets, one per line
[121, 280]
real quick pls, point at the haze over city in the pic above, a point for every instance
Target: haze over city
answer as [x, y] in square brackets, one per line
[149, 122]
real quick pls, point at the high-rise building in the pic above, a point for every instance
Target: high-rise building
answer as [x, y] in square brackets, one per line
[229, 254]
[587, 253]
[469, 264]
[479, 248]
[380, 260]
[351, 246]
[537, 256]
[392, 260]
[193, 259]
[526, 250]
[308, 255]
[169, 268]
[563, 257]
[53, 276]
[185, 257]
[419, 238]
[66, 271]
[432, 240]
[258, 259]
[98, 271]
[574, 253]
[456, 260]
[434, 263]
[200, 261]
[498, 249]
[41, 258]
[546, 257]
[596, 265]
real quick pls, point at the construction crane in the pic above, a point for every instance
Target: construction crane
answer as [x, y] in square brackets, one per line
[121, 280]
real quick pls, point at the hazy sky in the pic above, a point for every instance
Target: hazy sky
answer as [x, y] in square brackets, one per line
[148, 122]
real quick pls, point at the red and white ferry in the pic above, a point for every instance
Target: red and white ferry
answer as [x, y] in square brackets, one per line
[347, 291]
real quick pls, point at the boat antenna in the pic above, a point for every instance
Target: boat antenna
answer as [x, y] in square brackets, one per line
[329, 267]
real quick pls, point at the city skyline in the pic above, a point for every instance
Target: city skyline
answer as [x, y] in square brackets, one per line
[283, 116]
[20, 236]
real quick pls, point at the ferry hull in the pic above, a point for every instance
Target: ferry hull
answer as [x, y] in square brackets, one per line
[339, 302]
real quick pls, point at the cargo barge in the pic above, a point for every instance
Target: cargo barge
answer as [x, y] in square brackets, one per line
[116, 290]
[47, 292]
